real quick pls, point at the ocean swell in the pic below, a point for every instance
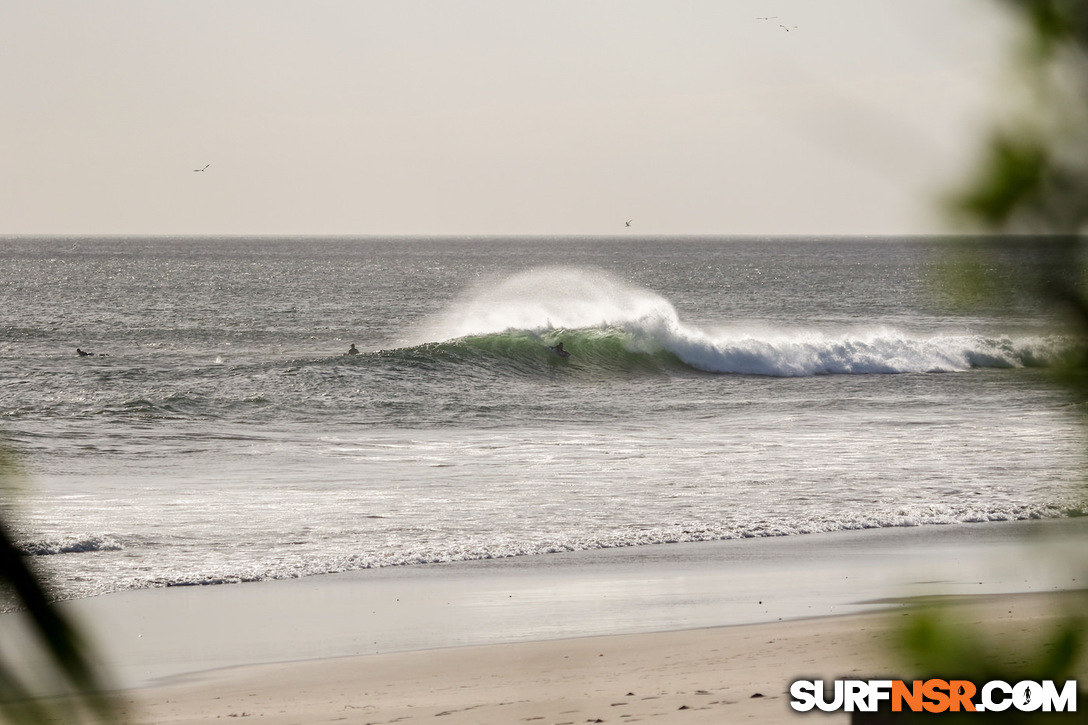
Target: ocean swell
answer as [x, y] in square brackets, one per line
[606, 324]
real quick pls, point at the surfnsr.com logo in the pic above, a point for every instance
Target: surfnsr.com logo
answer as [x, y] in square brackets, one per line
[934, 696]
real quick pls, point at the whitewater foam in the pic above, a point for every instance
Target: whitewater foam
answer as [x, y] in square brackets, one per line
[853, 352]
[70, 545]
[545, 300]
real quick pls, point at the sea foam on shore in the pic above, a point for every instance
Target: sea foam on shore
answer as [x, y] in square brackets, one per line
[152, 634]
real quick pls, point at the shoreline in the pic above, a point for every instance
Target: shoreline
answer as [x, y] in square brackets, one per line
[705, 675]
[692, 626]
[146, 636]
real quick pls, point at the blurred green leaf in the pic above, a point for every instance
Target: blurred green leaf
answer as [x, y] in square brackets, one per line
[1012, 176]
[1027, 202]
[60, 640]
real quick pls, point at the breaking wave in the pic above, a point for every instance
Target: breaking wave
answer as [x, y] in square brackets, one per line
[73, 545]
[606, 324]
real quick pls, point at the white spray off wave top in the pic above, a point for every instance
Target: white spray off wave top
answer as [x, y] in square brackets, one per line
[553, 298]
[550, 298]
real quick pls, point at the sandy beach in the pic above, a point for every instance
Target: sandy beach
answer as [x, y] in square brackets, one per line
[718, 675]
[698, 633]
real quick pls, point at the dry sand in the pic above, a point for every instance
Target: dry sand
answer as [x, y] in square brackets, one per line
[714, 675]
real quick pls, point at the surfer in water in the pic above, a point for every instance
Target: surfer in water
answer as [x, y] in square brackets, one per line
[352, 350]
[82, 353]
[558, 350]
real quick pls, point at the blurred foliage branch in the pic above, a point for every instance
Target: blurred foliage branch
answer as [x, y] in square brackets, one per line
[1025, 204]
[1033, 175]
[1025, 209]
[66, 651]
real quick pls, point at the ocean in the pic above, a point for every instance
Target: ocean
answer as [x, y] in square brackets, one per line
[716, 388]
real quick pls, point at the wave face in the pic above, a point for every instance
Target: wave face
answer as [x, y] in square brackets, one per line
[607, 324]
[643, 346]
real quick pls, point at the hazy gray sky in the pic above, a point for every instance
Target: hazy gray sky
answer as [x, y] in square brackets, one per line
[489, 116]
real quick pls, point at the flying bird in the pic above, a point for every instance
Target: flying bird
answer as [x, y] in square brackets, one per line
[205, 166]
[629, 222]
[787, 29]
[772, 17]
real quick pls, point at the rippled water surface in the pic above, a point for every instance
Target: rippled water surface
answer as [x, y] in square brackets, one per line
[715, 388]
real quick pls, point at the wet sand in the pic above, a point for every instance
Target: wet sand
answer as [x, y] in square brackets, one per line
[702, 632]
[716, 675]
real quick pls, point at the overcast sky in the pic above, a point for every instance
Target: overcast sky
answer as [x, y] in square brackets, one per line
[490, 117]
